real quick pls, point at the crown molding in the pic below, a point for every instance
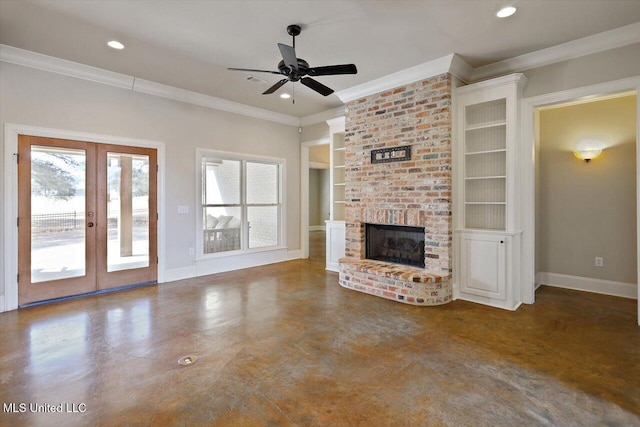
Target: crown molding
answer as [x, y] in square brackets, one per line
[196, 98]
[618, 37]
[322, 116]
[419, 72]
[52, 64]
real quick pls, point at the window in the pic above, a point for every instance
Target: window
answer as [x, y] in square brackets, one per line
[241, 202]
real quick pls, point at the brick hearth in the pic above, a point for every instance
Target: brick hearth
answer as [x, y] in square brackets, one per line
[416, 192]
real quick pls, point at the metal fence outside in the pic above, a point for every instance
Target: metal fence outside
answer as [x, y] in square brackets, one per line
[66, 221]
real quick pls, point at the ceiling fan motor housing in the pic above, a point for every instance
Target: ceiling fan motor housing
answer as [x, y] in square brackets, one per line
[303, 66]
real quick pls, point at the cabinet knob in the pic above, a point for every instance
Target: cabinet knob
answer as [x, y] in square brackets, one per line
[501, 241]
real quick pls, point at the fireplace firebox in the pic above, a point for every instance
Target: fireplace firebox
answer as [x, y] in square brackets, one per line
[395, 243]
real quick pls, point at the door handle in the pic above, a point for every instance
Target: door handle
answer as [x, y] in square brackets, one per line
[90, 225]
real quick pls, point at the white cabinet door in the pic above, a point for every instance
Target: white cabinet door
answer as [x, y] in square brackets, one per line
[483, 265]
[335, 244]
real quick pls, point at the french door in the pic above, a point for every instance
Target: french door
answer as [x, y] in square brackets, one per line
[86, 217]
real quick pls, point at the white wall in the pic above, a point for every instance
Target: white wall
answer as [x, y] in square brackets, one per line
[42, 99]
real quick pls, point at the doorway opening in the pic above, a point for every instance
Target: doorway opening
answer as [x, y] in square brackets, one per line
[316, 196]
[586, 237]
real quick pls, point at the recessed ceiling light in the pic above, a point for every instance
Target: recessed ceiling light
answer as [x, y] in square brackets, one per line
[285, 96]
[115, 44]
[506, 11]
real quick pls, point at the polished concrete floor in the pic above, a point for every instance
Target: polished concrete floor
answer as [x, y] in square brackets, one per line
[284, 345]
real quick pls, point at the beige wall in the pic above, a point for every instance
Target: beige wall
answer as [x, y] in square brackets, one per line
[315, 131]
[318, 196]
[588, 210]
[42, 99]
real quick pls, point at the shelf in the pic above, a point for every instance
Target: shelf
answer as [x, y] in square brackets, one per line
[339, 183]
[485, 203]
[338, 166]
[340, 149]
[485, 152]
[485, 126]
[486, 177]
[340, 202]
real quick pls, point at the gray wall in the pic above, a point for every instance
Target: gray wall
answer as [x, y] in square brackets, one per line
[42, 99]
[613, 64]
[588, 210]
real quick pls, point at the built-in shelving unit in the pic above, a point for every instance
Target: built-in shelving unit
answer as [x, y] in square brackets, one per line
[336, 224]
[485, 152]
[487, 244]
[337, 172]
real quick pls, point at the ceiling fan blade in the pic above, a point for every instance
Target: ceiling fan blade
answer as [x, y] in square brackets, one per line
[330, 70]
[275, 87]
[317, 86]
[289, 56]
[253, 71]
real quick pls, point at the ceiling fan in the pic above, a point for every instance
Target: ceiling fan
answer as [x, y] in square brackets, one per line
[296, 69]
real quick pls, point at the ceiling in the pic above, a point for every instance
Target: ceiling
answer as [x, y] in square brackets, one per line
[189, 44]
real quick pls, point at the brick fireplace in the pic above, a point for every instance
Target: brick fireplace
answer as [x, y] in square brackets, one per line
[414, 192]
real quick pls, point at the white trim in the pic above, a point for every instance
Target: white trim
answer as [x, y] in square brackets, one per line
[295, 254]
[195, 98]
[322, 116]
[11, 132]
[317, 228]
[2, 303]
[446, 64]
[201, 153]
[618, 37]
[528, 165]
[238, 262]
[588, 284]
[304, 193]
[52, 64]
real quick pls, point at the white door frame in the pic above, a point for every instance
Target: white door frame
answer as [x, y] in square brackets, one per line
[304, 192]
[11, 132]
[528, 156]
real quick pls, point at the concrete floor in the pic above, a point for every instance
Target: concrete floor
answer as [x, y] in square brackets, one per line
[285, 345]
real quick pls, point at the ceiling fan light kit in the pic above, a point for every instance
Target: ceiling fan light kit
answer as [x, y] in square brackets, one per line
[297, 69]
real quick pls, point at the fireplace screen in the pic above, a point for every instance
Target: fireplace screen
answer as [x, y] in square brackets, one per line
[394, 243]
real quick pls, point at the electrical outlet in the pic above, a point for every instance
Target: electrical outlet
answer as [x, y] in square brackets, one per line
[599, 261]
[192, 251]
[183, 209]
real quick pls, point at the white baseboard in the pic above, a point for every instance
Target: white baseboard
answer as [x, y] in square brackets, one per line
[2, 307]
[180, 273]
[205, 267]
[587, 284]
[317, 228]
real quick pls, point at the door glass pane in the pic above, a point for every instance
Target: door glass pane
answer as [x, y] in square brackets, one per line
[127, 211]
[263, 226]
[58, 182]
[262, 183]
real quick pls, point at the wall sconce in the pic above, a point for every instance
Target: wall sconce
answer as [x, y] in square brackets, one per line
[587, 155]
[588, 149]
